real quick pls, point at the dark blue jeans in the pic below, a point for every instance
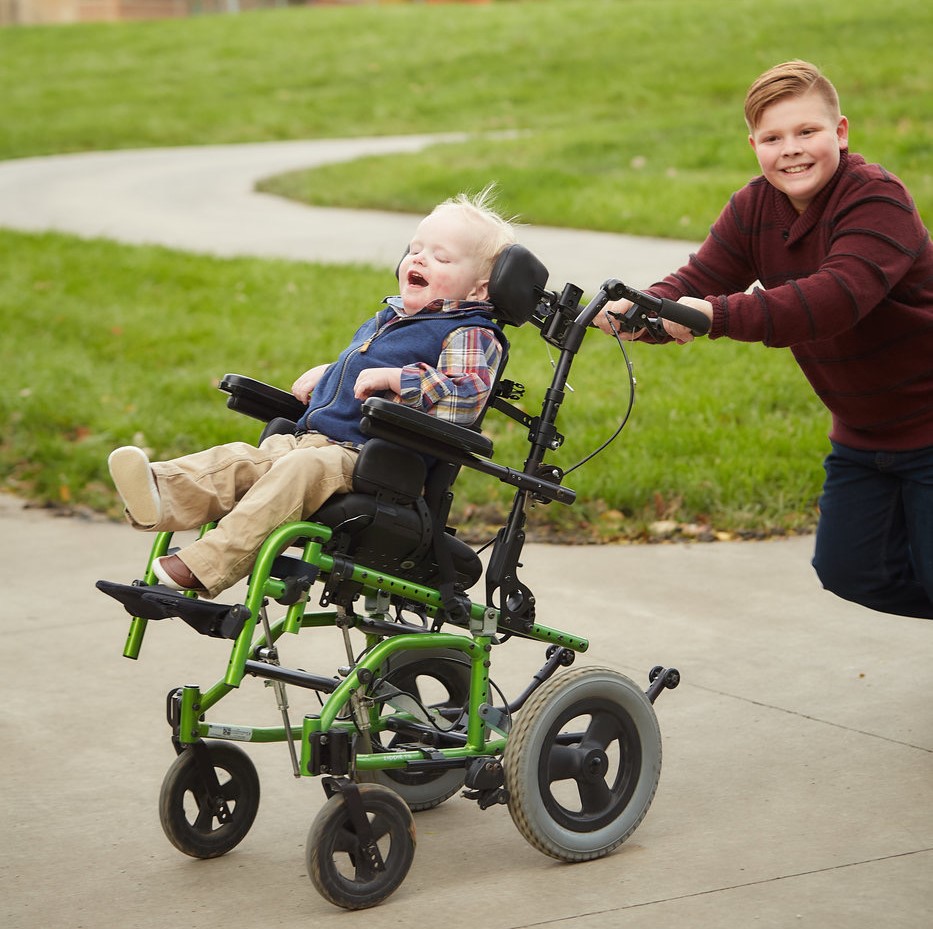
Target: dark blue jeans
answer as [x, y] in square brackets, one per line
[874, 542]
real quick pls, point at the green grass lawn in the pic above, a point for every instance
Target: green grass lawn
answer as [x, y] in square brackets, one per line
[622, 115]
[106, 345]
[629, 110]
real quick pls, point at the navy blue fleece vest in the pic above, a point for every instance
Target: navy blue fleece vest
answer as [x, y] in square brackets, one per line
[385, 341]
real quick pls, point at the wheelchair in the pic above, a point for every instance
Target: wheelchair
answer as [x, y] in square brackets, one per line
[576, 757]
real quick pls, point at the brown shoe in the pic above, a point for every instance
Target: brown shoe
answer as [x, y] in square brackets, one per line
[174, 573]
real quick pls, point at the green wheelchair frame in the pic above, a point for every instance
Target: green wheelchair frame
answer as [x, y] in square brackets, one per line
[381, 750]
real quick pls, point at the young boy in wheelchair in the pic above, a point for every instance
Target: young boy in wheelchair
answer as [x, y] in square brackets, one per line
[434, 347]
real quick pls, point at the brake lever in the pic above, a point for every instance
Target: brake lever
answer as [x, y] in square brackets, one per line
[636, 318]
[647, 308]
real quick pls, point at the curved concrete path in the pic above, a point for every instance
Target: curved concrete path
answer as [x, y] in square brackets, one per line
[797, 788]
[203, 199]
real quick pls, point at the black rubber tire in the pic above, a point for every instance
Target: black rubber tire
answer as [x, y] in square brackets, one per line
[332, 853]
[582, 764]
[449, 670]
[188, 821]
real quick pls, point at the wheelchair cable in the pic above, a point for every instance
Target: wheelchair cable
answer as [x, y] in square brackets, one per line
[390, 691]
[553, 364]
[505, 703]
[628, 411]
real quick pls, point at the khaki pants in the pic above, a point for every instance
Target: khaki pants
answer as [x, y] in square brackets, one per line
[255, 490]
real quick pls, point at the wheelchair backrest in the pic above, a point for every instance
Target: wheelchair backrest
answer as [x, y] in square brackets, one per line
[516, 283]
[391, 475]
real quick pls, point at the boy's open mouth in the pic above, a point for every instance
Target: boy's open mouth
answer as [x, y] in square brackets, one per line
[416, 280]
[796, 169]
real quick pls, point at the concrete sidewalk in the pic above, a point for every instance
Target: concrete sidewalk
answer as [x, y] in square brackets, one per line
[797, 787]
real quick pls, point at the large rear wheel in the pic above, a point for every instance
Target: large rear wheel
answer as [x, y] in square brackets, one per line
[582, 764]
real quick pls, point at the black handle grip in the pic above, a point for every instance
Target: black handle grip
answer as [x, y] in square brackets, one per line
[698, 323]
[695, 320]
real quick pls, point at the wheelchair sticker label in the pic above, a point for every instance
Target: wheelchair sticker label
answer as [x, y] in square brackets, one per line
[236, 733]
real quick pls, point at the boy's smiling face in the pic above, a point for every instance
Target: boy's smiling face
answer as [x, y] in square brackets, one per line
[442, 262]
[798, 141]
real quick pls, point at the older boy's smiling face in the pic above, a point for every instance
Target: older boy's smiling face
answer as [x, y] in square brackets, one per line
[798, 141]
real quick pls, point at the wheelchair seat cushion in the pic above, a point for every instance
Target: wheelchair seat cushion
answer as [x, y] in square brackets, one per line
[384, 469]
[395, 538]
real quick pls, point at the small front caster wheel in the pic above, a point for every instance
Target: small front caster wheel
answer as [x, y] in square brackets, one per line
[672, 679]
[337, 867]
[195, 823]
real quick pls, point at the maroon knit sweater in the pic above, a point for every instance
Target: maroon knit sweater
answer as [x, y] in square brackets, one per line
[848, 286]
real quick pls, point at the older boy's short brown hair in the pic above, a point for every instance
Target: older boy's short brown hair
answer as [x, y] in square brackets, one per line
[790, 79]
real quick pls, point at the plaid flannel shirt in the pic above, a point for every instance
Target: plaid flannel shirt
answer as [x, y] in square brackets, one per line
[457, 387]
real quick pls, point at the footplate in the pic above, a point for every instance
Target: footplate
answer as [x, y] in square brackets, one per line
[218, 620]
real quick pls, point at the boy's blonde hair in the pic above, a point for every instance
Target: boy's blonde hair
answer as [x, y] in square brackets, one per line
[478, 208]
[790, 79]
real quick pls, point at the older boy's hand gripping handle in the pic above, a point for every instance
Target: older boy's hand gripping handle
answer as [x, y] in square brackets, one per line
[645, 304]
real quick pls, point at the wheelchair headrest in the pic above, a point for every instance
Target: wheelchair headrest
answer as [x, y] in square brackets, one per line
[516, 284]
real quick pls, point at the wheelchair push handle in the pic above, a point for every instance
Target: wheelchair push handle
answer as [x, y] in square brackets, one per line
[648, 308]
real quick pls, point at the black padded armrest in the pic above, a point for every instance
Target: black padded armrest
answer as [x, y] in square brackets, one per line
[259, 400]
[391, 420]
